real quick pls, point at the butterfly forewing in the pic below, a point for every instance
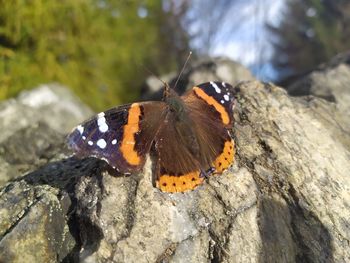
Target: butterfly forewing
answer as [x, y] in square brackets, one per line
[122, 136]
[217, 96]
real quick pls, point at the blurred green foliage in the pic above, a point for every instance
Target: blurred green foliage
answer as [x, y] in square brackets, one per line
[95, 47]
[311, 32]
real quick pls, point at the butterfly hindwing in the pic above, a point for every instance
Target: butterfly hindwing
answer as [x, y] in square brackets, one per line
[176, 151]
[121, 136]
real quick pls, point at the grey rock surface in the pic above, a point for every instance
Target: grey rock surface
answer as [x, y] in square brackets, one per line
[329, 81]
[197, 72]
[32, 127]
[286, 199]
[33, 224]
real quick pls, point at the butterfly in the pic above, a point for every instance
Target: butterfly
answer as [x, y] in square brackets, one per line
[187, 137]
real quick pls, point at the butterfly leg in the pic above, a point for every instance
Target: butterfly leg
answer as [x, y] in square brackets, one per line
[207, 173]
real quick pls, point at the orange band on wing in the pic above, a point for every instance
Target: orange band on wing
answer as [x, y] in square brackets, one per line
[128, 143]
[211, 101]
[226, 158]
[181, 183]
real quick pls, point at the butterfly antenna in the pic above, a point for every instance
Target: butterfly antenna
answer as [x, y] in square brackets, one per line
[183, 68]
[166, 85]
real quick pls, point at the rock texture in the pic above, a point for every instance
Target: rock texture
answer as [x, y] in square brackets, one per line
[32, 127]
[286, 199]
[198, 72]
[329, 81]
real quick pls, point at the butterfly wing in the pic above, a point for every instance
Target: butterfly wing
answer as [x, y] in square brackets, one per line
[176, 166]
[200, 143]
[218, 96]
[210, 106]
[121, 136]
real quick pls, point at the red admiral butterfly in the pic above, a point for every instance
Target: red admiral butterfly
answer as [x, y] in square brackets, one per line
[187, 136]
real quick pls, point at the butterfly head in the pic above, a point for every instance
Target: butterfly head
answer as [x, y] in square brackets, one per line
[175, 103]
[167, 91]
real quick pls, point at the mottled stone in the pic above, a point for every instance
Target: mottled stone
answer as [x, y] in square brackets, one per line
[197, 72]
[329, 81]
[33, 225]
[33, 127]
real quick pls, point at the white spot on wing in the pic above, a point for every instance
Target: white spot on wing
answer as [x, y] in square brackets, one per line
[90, 143]
[114, 141]
[101, 122]
[80, 129]
[226, 97]
[222, 101]
[223, 84]
[84, 138]
[217, 89]
[101, 143]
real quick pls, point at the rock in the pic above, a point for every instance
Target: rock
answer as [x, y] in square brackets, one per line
[220, 68]
[33, 125]
[329, 81]
[286, 199]
[197, 72]
[33, 224]
[52, 104]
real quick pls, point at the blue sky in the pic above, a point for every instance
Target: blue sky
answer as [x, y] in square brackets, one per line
[250, 43]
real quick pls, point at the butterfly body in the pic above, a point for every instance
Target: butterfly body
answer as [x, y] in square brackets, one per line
[187, 136]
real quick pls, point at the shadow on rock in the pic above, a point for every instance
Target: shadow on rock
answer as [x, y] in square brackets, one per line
[81, 180]
[292, 234]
